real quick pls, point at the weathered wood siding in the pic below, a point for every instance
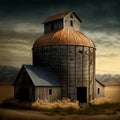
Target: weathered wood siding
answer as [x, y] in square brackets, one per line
[43, 93]
[67, 22]
[113, 92]
[23, 87]
[6, 91]
[99, 90]
[53, 25]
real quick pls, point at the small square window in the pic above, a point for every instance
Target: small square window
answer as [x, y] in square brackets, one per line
[80, 51]
[50, 91]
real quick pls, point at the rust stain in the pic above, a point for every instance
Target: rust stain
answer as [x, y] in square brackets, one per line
[64, 37]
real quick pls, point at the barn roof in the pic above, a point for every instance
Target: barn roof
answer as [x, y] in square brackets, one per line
[99, 82]
[42, 76]
[59, 16]
[109, 80]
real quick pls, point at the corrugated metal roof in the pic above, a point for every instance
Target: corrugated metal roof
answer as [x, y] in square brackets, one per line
[59, 16]
[64, 37]
[109, 80]
[42, 76]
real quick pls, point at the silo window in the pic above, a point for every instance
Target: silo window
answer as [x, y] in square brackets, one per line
[71, 59]
[98, 90]
[50, 91]
[80, 51]
[71, 23]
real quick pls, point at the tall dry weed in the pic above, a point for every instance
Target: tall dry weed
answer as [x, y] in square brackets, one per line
[103, 100]
[63, 104]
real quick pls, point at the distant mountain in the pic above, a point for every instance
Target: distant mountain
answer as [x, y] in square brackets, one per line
[8, 75]
[108, 79]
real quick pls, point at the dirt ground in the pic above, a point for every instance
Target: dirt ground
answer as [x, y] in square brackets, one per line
[12, 114]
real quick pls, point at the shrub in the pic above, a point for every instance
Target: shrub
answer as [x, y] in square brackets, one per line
[103, 100]
[65, 105]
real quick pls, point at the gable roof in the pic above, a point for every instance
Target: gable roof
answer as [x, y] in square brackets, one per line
[99, 82]
[42, 76]
[109, 80]
[59, 16]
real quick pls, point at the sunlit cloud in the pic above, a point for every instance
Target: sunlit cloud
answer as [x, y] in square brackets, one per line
[28, 28]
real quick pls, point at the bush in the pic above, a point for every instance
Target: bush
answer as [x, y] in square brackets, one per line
[63, 106]
[60, 106]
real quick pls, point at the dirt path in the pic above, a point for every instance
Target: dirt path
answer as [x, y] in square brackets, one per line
[11, 114]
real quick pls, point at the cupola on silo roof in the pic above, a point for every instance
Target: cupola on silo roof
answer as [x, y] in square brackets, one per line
[63, 29]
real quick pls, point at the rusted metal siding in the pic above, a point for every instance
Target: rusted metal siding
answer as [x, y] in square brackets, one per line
[43, 93]
[64, 36]
[75, 22]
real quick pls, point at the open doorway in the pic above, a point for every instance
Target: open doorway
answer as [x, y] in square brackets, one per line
[82, 94]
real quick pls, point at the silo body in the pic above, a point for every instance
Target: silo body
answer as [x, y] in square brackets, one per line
[71, 55]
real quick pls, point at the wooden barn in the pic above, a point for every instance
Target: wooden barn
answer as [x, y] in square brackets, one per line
[35, 82]
[108, 88]
[62, 51]
[99, 89]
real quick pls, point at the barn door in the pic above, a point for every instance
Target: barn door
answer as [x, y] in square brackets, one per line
[82, 94]
[24, 94]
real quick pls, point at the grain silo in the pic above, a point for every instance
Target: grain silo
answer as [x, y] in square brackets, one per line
[69, 53]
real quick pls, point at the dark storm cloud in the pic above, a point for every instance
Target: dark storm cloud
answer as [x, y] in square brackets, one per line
[96, 14]
[20, 24]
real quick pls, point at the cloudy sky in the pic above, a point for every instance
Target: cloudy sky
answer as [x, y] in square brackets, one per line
[20, 26]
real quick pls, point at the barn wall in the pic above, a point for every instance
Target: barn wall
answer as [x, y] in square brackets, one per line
[113, 92]
[6, 92]
[76, 22]
[24, 88]
[43, 93]
[53, 25]
[100, 92]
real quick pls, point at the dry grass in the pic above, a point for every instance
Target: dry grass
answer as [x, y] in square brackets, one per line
[65, 107]
[63, 104]
[103, 100]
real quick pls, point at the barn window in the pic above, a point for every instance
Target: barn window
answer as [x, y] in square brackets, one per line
[71, 23]
[98, 90]
[50, 91]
